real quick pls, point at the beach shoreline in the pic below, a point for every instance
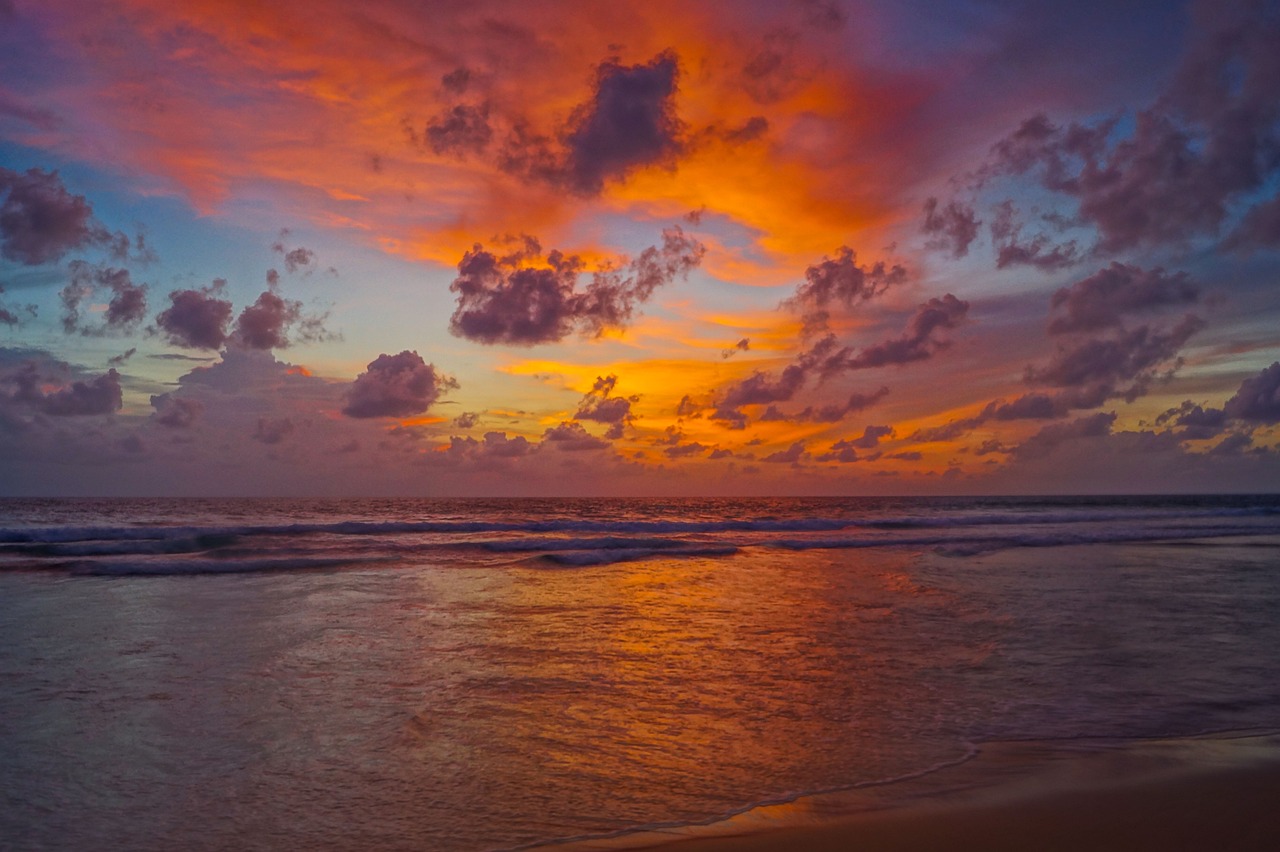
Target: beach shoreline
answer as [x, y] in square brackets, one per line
[1212, 792]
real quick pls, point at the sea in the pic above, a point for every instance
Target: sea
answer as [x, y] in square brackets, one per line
[506, 674]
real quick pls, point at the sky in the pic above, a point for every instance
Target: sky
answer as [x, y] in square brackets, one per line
[651, 248]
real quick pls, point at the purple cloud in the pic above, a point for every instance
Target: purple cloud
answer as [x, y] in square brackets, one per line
[396, 386]
[79, 398]
[1201, 151]
[571, 437]
[197, 319]
[1102, 299]
[630, 121]
[1258, 398]
[272, 430]
[176, 412]
[40, 221]
[840, 281]
[953, 228]
[599, 407]
[462, 129]
[125, 310]
[502, 300]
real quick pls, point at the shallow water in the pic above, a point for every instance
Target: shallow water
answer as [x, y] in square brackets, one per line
[469, 676]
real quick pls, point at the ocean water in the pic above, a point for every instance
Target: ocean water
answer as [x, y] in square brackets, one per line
[481, 675]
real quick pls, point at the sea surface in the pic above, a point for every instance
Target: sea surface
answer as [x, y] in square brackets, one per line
[482, 675]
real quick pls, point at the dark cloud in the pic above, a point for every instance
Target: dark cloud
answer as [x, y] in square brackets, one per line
[466, 420]
[463, 129]
[598, 406]
[40, 221]
[1048, 438]
[918, 342]
[743, 345]
[294, 258]
[125, 310]
[688, 408]
[793, 455]
[117, 360]
[9, 315]
[953, 228]
[396, 386]
[840, 281]
[827, 358]
[457, 80]
[1194, 422]
[827, 413]
[571, 437]
[751, 130]
[1260, 228]
[871, 437]
[269, 322]
[1199, 152]
[197, 319]
[773, 71]
[176, 412]
[1038, 251]
[503, 300]
[1101, 300]
[842, 452]
[1097, 366]
[495, 447]
[629, 121]
[38, 390]
[273, 430]
[680, 451]
[1258, 398]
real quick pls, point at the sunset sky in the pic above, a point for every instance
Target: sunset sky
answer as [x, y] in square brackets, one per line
[638, 248]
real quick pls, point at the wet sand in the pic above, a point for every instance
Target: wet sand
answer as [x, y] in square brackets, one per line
[1211, 794]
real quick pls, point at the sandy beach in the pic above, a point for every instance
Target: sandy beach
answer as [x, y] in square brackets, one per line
[1191, 795]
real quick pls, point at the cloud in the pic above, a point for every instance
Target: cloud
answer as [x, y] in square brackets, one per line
[462, 129]
[273, 430]
[175, 412]
[571, 437]
[1199, 152]
[294, 258]
[117, 360]
[1039, 251]
[630, 121]
[197, 319]
[743, 345]
[918, 342]
[953, 228]
[1258, 398]
[36, 390]
[840, 280]
[1050, 437]
[871, 437]
[793, 455]
[40, 221]
[599, 407]
[268, 322]
[396, 386]
[466, 420]
[680, 451]
[1097, 366]
[827, 413]
[827, 358]
[504, 300]
[495, 447]
[125, 311]
[1102, 299]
